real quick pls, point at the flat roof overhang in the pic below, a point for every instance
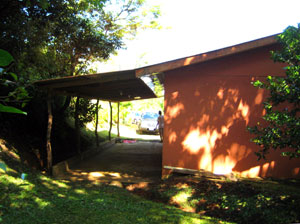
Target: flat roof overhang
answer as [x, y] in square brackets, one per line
[112, 86]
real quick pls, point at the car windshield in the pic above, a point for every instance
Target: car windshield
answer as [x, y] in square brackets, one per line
[149, 115]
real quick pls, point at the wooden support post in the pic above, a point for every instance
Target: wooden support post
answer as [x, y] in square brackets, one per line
[96, 128]
[110, 125]
[118, 124]
[48, 137]
[77, 125]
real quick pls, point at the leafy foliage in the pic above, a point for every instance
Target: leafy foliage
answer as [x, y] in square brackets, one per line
[86, 112]
[11, 92]
[127, 109]
[282, 128]
[50, 38]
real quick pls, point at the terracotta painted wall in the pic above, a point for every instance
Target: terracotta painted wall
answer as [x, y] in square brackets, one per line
[207, 109]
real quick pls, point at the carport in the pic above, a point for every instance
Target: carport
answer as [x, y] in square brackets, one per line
[112, 86]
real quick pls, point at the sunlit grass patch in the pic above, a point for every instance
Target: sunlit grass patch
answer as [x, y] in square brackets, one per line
[80, 191]
[181, 196]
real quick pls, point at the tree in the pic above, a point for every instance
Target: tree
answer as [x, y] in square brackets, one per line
[51, 38]
[282, 107]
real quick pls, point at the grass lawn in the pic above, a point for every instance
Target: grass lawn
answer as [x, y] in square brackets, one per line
[41, 199]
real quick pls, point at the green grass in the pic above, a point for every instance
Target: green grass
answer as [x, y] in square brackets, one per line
[41, 199]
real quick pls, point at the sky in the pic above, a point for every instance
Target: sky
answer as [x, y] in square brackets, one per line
[197, 26]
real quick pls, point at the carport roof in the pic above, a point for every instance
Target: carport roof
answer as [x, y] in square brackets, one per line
[112, 86]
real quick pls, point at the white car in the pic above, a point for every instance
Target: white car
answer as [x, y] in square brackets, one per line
[148, 123]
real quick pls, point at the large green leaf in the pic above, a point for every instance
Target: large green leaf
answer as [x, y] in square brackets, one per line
[5, 58]
[8, 109]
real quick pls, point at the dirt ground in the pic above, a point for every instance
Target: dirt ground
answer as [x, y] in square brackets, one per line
[131, 162]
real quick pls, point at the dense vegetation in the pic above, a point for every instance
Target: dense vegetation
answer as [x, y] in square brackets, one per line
[282, 127]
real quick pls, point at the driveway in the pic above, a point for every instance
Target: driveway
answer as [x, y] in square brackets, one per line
[131, 162]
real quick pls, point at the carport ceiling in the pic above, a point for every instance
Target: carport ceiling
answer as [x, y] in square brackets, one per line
[113, 86]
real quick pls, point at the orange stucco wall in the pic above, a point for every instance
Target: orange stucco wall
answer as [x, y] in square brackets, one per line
[207, 109]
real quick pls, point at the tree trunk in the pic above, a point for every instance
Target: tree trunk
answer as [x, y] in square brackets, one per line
[48, 137]
[118, 124]
[96, 128]
[110, 125]
[77, 126]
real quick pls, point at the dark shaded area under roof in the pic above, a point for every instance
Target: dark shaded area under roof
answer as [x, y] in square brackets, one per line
[113, 86]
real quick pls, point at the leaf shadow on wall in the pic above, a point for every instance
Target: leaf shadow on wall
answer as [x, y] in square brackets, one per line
[206, 128]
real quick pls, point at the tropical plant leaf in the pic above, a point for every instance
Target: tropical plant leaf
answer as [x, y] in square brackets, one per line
[8, 109]
[5, 58]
